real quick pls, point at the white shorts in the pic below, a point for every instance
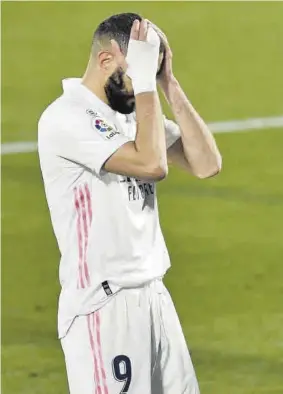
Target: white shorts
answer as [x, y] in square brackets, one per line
[134, 344]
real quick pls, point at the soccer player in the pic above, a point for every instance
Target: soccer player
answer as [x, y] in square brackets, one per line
[103, 145]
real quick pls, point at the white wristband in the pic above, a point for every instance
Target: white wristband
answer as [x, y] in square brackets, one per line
[142, 60]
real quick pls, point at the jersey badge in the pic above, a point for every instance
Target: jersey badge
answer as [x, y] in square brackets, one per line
[105, 130]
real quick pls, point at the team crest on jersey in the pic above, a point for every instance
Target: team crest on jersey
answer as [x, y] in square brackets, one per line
[101, 125]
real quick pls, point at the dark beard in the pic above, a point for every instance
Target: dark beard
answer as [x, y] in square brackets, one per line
[119, 100]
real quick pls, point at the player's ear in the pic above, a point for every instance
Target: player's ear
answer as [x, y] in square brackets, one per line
[106, 61]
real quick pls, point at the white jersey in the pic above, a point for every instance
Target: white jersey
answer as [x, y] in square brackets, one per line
[106, 225]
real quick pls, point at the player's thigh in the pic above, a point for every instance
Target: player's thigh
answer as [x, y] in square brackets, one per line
[108, 351]
[174, 372]
[79, 357]
[124, 328]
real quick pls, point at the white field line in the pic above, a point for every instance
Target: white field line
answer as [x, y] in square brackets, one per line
[215, 127]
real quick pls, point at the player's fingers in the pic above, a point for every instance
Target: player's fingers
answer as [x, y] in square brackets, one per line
[169, 53]
[160, 33]
[156, 28]
[135, 30]
[143, 30]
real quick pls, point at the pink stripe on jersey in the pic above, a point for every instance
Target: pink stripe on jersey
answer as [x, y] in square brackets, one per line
[86, 228]
[95, 372]
[80, 240]
[88, 199]
[97, 321]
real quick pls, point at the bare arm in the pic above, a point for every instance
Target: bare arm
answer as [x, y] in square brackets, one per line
[146, 157]
[197, 149]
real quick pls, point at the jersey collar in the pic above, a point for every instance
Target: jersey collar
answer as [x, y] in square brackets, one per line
[75, 87]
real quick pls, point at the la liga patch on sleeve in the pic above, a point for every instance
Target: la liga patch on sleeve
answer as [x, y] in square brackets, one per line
[101, 126]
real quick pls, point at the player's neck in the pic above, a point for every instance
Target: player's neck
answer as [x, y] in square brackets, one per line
[91, 82]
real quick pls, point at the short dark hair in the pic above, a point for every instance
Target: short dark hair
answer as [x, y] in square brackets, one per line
[118, 28]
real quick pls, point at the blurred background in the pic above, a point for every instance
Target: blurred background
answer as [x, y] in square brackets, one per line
[224, 235]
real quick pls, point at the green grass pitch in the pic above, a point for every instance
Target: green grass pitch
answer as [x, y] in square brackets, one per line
[225, 235]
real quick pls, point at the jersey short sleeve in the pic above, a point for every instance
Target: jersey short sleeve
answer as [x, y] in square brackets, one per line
[84, 138]
[172, 132]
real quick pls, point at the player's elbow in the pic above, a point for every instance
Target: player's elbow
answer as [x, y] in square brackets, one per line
[209, 174]
[211, 170]
[157, 172]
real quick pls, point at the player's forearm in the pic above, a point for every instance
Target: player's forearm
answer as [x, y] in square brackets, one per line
[199, 145]
[150, 137]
